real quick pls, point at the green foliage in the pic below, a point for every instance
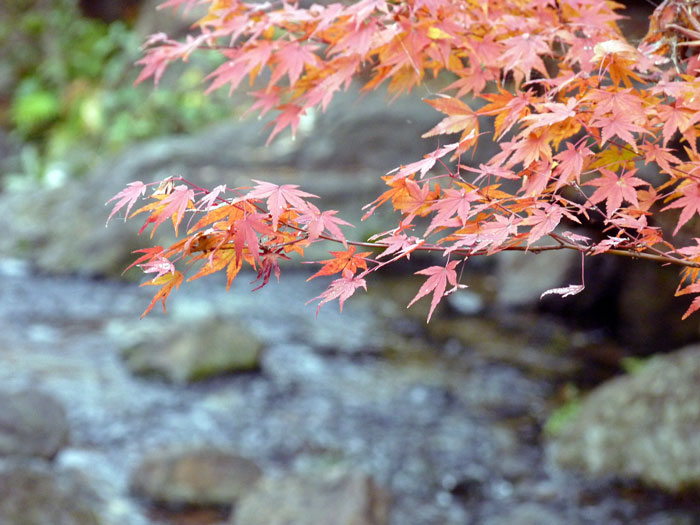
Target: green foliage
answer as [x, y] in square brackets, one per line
[68, 94]
[561, 416]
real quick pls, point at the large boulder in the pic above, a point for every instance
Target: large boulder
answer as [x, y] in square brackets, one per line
[196, 351]
[33, 493]
[350, 146]
[32, 424]
[331, 496]
[644, 425]
[198, 477]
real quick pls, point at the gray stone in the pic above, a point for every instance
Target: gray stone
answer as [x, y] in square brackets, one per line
[522, 277]
[62, 229]
[527, 514]
[332, 496]
[31, 424]
[644, 425]
[196, 351]
[34, 494]
[199, 477]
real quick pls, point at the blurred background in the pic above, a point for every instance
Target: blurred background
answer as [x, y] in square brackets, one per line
[245, 408]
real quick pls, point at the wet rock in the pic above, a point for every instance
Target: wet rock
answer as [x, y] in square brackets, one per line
[643, 425]
[199, 477]
[31, 424]
[34, 494]
[527, 514]
[499, 343]
[333, 496]
[196, 351]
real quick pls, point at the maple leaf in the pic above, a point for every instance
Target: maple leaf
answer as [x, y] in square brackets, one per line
[695, 305]
[620, 124]
[127, 197]
[566, 291]
[269, 266]
[167, 282]
[426, 164]
[460, 118]
[438, 277]
[689, 202]
[340, 289]
[571, 163]
[246, 230]
[613, 189]
[172, 206]
[317, 222]
[450, 203]
[292, 58]
[400, 243]
[290, 115]
[543, 222]
[347, 261]
[278, 198]
[557, 113]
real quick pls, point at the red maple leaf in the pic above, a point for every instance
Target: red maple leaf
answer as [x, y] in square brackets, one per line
[613, 189]
[268, 266]
[245, 234]
[438, 277]
[347, 261]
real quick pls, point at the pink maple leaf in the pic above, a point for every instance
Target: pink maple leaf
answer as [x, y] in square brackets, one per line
[291, 61]
[317, 222]
[450, 203]
[279, 198]
[613, 189]
[340, 289]
[571, 163]
[690, 204]
[438, 277]
[127, 197]
[543, 222]
[175, 205]
[246, 235]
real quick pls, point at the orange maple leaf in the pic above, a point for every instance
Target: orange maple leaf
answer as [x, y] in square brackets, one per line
[347, 261]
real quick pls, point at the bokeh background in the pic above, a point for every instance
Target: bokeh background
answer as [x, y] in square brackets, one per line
[245, 408]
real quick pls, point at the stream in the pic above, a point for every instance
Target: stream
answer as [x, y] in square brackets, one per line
[454, 435]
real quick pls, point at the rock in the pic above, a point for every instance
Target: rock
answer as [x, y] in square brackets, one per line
[34, 494]
[642, 426]
[31, 424]
[497, 342]
[333, 496]
[199, 477]
[196, 351]
[522, 277]
[527, 514]
[62, 229]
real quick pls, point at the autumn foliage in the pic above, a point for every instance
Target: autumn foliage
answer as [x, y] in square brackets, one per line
[596, 137]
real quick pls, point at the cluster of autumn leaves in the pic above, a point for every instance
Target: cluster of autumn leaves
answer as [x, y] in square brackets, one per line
[589, 129]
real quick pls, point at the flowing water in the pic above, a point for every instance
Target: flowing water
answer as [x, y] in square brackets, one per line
[455, 436]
